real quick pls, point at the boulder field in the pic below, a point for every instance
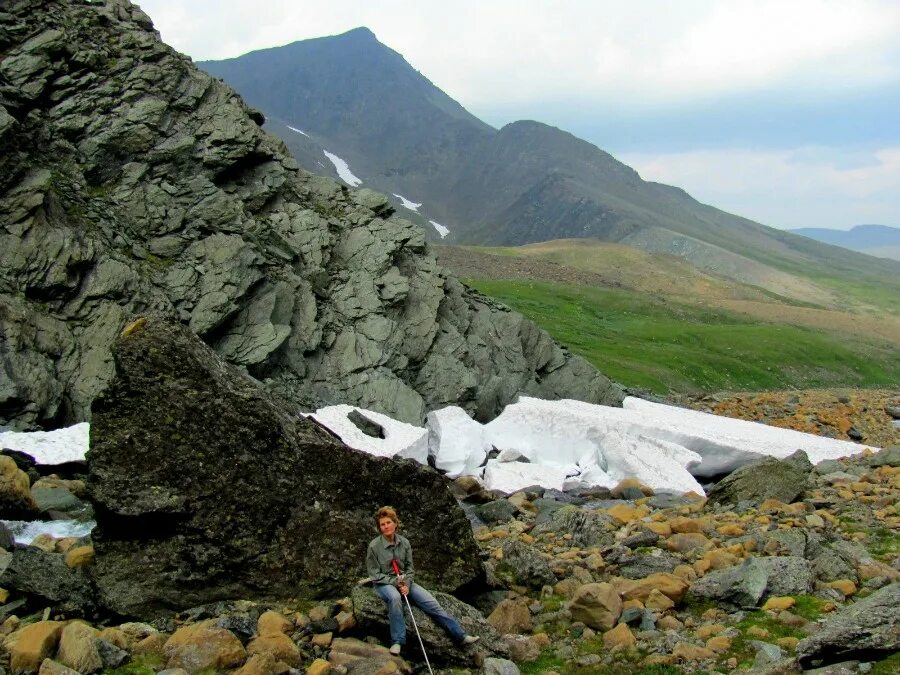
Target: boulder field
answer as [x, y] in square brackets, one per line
[608, 581]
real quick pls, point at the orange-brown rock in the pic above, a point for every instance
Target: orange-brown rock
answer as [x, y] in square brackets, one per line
[259, 664]
[597, 605]
[280, 646]
[273, 623]
[672, 586]
[685, 651]
[845, 586]
[624, 514]
[719, 644]
[33, 644]
[80, 556]
[661, 528]
[619, 637]
[78, 648]
[776, 604]
[681, 525]
[626, 483]
[319, 667]
[688, 541]
[203, 646]
[659, 601]
[511, 616]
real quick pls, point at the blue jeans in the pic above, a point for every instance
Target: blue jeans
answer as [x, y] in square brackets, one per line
[422, 599]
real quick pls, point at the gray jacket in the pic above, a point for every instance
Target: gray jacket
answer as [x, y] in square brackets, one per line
[380, 554]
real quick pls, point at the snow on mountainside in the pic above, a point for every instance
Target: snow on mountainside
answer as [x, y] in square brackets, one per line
[526, 182]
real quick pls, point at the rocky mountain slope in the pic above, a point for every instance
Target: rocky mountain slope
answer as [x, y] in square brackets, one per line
[132, 182]
[526, 182]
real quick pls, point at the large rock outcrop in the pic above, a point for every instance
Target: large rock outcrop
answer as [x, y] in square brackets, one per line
[207, 488]
[130, 181]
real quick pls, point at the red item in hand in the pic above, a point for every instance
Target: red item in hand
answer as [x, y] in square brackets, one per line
[396, 567]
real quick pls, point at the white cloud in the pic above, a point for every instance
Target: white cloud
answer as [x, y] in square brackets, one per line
[509, 50]
[774, 187]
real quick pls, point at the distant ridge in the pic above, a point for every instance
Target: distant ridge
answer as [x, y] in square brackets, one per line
[527, 182]
[876, 240]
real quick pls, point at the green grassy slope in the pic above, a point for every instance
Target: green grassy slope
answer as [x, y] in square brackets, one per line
[665, 346]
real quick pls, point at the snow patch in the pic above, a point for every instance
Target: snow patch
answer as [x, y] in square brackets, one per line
[400, 439]
[343, 170]
[725, 443]
[511, 477]
[456, 441]
[50, 447]
[406, 203]
[443, 231]
[299, 131]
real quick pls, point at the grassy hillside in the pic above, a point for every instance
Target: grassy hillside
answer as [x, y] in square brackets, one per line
[654, 321]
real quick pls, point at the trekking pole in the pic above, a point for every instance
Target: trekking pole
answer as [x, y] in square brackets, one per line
[409, 607]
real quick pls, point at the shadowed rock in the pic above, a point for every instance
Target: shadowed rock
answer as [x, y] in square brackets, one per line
[207, 488]
[371, 616]
[868, 630]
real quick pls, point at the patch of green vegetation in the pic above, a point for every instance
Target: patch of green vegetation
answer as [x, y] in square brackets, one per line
[808, 606]
[553, 603]
[142, 664]
[883, 541]
[741, 647]
[546, 661]
[643, 341]
[889, 666]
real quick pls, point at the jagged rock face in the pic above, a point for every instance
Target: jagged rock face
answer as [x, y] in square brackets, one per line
[130, 181]
[206, 488]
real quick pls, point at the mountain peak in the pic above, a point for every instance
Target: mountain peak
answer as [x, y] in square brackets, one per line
[359, 33]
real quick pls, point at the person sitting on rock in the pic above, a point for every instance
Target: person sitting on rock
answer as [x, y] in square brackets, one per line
[389, 546]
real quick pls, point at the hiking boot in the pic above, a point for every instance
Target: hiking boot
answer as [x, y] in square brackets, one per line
[469, 640]
[395, 649]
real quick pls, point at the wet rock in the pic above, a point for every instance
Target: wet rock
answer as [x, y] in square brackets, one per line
[200, 493]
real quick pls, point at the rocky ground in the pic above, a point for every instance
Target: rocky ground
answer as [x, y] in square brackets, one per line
[784, 568]
[863, 415]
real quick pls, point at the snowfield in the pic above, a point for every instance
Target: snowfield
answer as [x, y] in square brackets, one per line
[557, 444]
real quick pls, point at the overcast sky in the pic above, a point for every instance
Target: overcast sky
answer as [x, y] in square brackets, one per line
[784, 111]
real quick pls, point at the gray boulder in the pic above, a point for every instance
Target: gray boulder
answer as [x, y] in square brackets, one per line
[496, 511]
[44, 578]
[768, 478]
[889, 456]
[371, 617]
[740, 586]
[130, 181]
[868, 629]
[522, 565]
[787, 575]
[207, 488]
[588, 528]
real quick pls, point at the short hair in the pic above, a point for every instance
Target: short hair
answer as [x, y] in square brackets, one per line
[386, 512]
